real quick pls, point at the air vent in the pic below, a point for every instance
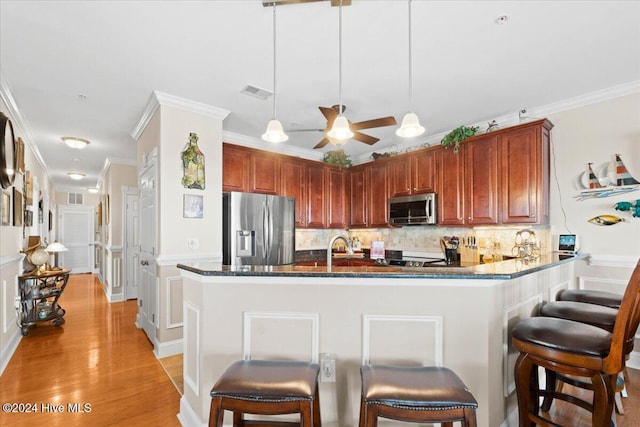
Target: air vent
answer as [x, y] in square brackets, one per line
[75, 199]
[256, 91]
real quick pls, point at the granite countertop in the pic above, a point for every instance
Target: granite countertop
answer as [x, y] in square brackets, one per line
[500, 270]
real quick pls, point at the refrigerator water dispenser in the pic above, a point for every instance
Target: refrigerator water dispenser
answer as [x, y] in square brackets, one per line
[246, 243]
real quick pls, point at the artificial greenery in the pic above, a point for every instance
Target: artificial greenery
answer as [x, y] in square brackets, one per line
[337, 157]
[457, 135]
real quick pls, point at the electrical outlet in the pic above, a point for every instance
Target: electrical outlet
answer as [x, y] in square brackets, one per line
[327, 368]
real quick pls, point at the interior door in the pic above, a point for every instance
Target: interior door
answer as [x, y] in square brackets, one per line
[145, 268]
[76, 233]
[132, 245]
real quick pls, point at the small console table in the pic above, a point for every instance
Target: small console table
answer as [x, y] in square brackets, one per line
[39, 294]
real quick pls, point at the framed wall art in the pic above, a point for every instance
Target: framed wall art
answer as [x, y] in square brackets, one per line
[50, 220]
[17, 207]
[6, 207]
[28, 218]
[192, 206]
[28, 189]
[107, 208]
[20, 154]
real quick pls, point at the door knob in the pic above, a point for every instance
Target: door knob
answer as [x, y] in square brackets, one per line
[143, 262]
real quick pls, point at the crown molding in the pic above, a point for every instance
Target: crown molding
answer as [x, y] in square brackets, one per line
[280, 148]
[159, 98]
[20, 123]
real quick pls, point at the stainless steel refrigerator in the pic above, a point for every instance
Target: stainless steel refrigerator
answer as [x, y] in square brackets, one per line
[258, 229]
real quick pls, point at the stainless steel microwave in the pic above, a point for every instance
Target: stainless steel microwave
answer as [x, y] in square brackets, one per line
[419, 209]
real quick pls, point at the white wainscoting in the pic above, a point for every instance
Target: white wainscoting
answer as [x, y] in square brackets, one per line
[512, 315]
[553, 290]
[384, 337]
[191, 367]
[173, 289]
[261, 330]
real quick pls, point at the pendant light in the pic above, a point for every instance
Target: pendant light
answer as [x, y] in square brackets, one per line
[340, 132]
[274, 132]
[410, 124]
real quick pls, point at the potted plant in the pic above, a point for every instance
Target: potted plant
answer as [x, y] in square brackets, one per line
[337, 157]
[457, 135]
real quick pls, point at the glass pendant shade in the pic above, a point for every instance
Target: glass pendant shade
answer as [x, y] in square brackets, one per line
[336, 142]
[410, 126]
[340, 129]
[274, 132]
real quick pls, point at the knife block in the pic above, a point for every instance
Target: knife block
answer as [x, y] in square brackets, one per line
[469, 255]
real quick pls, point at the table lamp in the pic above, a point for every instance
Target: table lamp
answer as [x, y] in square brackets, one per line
[54, 248]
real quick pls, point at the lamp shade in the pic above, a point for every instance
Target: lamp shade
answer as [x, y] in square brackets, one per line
[340, 129]
[410, 126]
[274, 132]
[337, 142]
[56, 247]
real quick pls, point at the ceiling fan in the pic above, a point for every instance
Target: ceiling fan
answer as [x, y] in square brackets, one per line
[330, 113]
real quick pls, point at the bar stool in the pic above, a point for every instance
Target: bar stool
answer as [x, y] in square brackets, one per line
[591, 314]
[267, 388]
[578, 349]
[607, 299]
[415, 394]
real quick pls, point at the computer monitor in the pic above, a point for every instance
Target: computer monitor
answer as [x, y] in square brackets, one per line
[567, 243]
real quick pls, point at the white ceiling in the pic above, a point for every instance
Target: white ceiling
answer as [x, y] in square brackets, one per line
[467, 69]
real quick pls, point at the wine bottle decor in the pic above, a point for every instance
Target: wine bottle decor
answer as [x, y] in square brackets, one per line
[193, 164]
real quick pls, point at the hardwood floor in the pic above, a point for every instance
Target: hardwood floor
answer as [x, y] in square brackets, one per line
[97, 357]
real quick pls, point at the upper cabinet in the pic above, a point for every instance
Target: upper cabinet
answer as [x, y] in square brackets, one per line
[496, 178]
[524, 174]
[500, 177]
[412, 173]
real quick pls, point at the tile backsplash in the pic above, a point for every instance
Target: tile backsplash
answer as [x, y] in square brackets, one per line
[423, 238]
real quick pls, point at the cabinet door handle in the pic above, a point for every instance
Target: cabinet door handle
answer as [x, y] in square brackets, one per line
[143, 262]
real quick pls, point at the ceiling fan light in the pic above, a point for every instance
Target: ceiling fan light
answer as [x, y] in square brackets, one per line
[336, 142]
[73, 142]
[410, 126]
[340, 129]
[274, 132]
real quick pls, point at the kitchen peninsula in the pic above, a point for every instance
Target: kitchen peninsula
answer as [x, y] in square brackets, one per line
[459, 317]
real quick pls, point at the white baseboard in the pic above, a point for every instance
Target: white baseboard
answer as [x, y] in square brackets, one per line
[10, 349]
[113, 297]
[634, 360]
[170, 348]
[187, 417]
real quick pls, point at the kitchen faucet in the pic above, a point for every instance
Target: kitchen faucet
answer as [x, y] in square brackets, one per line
[332, 241]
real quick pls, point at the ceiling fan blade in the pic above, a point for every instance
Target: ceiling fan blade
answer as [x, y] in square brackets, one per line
[267, 3]
[329, 113]
[375, 123]
[322, 143]
[304, 130]
[367, 139]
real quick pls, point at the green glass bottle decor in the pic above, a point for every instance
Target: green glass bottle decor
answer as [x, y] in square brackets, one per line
[193, 165]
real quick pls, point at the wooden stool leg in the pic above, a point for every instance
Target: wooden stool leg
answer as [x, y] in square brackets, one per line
[216, 414]
[523, 374]
[306, 419]
[447, 424]
[238, 420]
[362, 414]
[316, 409]
[372, 415]
[470, 417]
[551, 385]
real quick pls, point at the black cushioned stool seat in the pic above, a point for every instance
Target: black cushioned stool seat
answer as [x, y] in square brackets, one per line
[415, 394]
[267, 388]
[607, 299]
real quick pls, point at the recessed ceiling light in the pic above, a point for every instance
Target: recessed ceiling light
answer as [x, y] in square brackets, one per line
[73, 142]
[502, 19]
[92, 190]
[82, 96]
[76, 175]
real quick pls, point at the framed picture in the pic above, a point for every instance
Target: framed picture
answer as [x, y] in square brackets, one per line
[17, 207]
[192, 206]
[6, 207]
[50, 221]
[106, 209]
[99, 214]
[20, 154]
[28, 218]
[28, 189]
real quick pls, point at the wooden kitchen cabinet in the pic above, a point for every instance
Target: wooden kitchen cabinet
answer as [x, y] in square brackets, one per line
[496, 178]
[450, 185]
[337, 196]
[235, 168]
[412, 173]
[316, 195]
[481, 181]
[293, 175]
[358, 196]
[524, 173]
[378, 193]
[264, 173]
